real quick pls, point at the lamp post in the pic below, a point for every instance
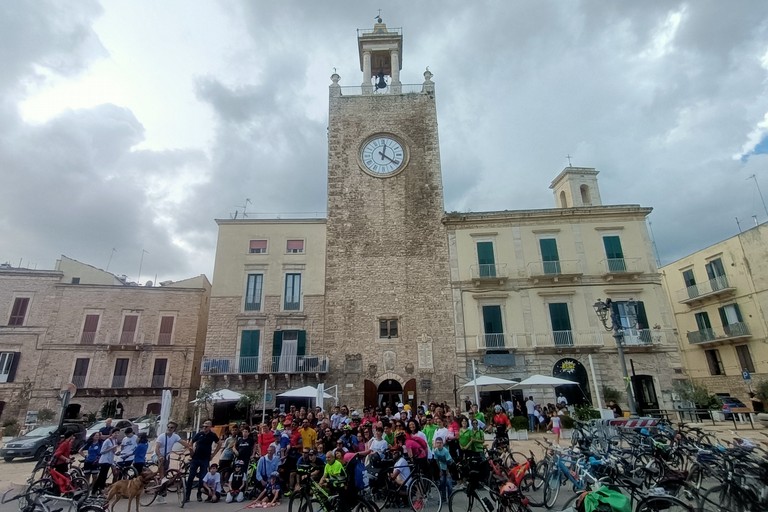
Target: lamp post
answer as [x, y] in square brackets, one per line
[603, 310]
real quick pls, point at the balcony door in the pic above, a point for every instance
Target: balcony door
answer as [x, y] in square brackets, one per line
[561, 324]
[732, 320]
[81, 371]
[716, 274]
[633, 321]
[288, 350]
[550, 260]
[614, 254]
[690, 283]
[158, 373]
[249, 351]
[486, 262]
[493, 327]
[120, 374]
[704, 326]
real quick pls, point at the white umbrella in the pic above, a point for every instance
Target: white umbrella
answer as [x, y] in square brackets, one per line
[542, 381]
[165, 411]
[221, 396]
[489, 383]
[305, 392]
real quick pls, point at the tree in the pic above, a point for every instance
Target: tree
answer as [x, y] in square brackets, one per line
[45, 415]
[204, 400]
[696, 393]
[761, 390]
[610, 393]
[248, 401]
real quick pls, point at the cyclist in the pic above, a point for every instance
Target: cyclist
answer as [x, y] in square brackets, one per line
[501, 424]
[236, 484]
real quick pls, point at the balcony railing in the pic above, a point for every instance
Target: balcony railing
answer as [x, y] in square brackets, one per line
[127, 338]
[262, 365]
[566, 339]
[621, 266]
[554, 268]
[253, 306]
[118, 381]
[79, 381]
[366, 90]
[158, 381]
[732, 331]
[292, 306]
[88, 338]
[491, 271]
[714, 287]
[496, 341]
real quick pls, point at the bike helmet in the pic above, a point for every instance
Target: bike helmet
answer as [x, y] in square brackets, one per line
[497, 408]
[239, 463]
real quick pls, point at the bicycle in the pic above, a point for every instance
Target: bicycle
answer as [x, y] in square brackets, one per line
[39, 500]
[174, 482]
[422, 493]
[312, 497]
[565, 468]
[467, 499]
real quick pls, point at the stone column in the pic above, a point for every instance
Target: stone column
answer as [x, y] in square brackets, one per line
[394, 59]
[335, 88]
[367, 87]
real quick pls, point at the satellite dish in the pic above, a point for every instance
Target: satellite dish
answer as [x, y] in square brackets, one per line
[68, 387]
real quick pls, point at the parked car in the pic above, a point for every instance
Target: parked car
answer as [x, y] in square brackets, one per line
[147, 424]
[35, 442]
[121, 425]
[729, 403]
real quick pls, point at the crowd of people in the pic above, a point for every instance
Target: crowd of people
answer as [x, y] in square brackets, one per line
[260, 462]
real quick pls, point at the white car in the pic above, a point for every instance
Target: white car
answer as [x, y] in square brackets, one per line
[147, 424]
[118, 424]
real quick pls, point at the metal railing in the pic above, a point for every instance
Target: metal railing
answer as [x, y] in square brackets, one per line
[291, 306]
[699, 290]
[489, 271]
[731, 331]
[253, 306]
[568, 339]
[261, 365]
[118, 381]
[621, 265]
[372, 32]
[366, 90]
[644, 337]
[554, 268]
[496, 341]
[79, 380]
[158, 381]
[164, 338]
[88, 338]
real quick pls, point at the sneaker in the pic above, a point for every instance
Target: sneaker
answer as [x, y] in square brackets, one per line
[199, 497]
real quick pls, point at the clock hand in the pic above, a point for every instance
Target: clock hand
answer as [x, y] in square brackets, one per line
[381, 153]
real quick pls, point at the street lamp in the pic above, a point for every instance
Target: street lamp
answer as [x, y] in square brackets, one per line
[603, 310]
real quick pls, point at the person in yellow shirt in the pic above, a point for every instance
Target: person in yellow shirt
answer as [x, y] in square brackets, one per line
[308, 435]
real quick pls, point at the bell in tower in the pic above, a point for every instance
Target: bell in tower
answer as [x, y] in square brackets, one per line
[380, 50]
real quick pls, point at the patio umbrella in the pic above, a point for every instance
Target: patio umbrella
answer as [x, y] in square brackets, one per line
[542, 381]
[489, 383]
[165, 411]
[222, 396]
[305, 392]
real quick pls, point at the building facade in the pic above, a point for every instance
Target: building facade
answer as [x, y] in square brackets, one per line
[525, 283]
[120, 344]
[720, 295]
[397, 298]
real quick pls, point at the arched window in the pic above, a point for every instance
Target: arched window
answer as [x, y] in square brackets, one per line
[585, 199]
[563, 200]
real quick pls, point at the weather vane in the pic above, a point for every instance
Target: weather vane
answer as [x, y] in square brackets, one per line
[569, 160]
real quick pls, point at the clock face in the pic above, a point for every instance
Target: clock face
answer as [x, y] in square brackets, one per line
[383, 155]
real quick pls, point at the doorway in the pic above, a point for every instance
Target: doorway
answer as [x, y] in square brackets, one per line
[571, 369]
[645, 394]
[389, 394]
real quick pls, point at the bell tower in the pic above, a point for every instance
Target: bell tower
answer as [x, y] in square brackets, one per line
[380, 55]
[388, 307]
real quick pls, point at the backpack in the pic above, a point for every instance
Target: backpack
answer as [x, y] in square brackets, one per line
[608, 500]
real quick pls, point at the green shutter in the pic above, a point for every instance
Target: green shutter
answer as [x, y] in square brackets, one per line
[559, 317]
[613, 247]
[249, 351]
[277, 349]
[642, 319]
[723, 316]
[301, 349]
[549, 256]
[485, 259]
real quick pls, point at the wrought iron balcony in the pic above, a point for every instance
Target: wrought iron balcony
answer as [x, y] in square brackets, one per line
[713, 288]
[79, 381]
[619, 266]
[489, 272]
[554, 269]
[734, 331]
[262, 365]
[158, 381]
[496, 341]
[568, 339]
[118, 381]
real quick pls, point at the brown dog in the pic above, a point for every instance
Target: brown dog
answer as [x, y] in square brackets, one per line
[130, 489]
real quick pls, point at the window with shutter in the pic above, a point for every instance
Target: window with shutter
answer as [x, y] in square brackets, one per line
[493, 328]
[19, 311]
[249, 351]
[120, 374]
[90, 326]
[614, 254]
[158, 373]
[257, 247]
[81, 371]
[254, 285]
[561, 324]
[549, 257]
[9, 361]
[295, 246]
[486, 261]
[166, 330]
[128, 333]
[292, 298]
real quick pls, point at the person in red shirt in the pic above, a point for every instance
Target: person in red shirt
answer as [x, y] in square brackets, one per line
[63, 452]
[265, 438]
[501, 422]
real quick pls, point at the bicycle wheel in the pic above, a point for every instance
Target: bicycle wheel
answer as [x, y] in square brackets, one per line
[424, 496]
[313, 505]
[665, 503]
[462, 501]
[149, 493]
[181, 489]
[533, 486]
[552, 487]
[719, 499]
[173, 476]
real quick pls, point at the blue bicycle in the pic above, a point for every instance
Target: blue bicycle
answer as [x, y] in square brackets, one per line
[568, 466]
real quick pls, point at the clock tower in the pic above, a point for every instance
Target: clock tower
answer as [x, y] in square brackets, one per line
[389, 325]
